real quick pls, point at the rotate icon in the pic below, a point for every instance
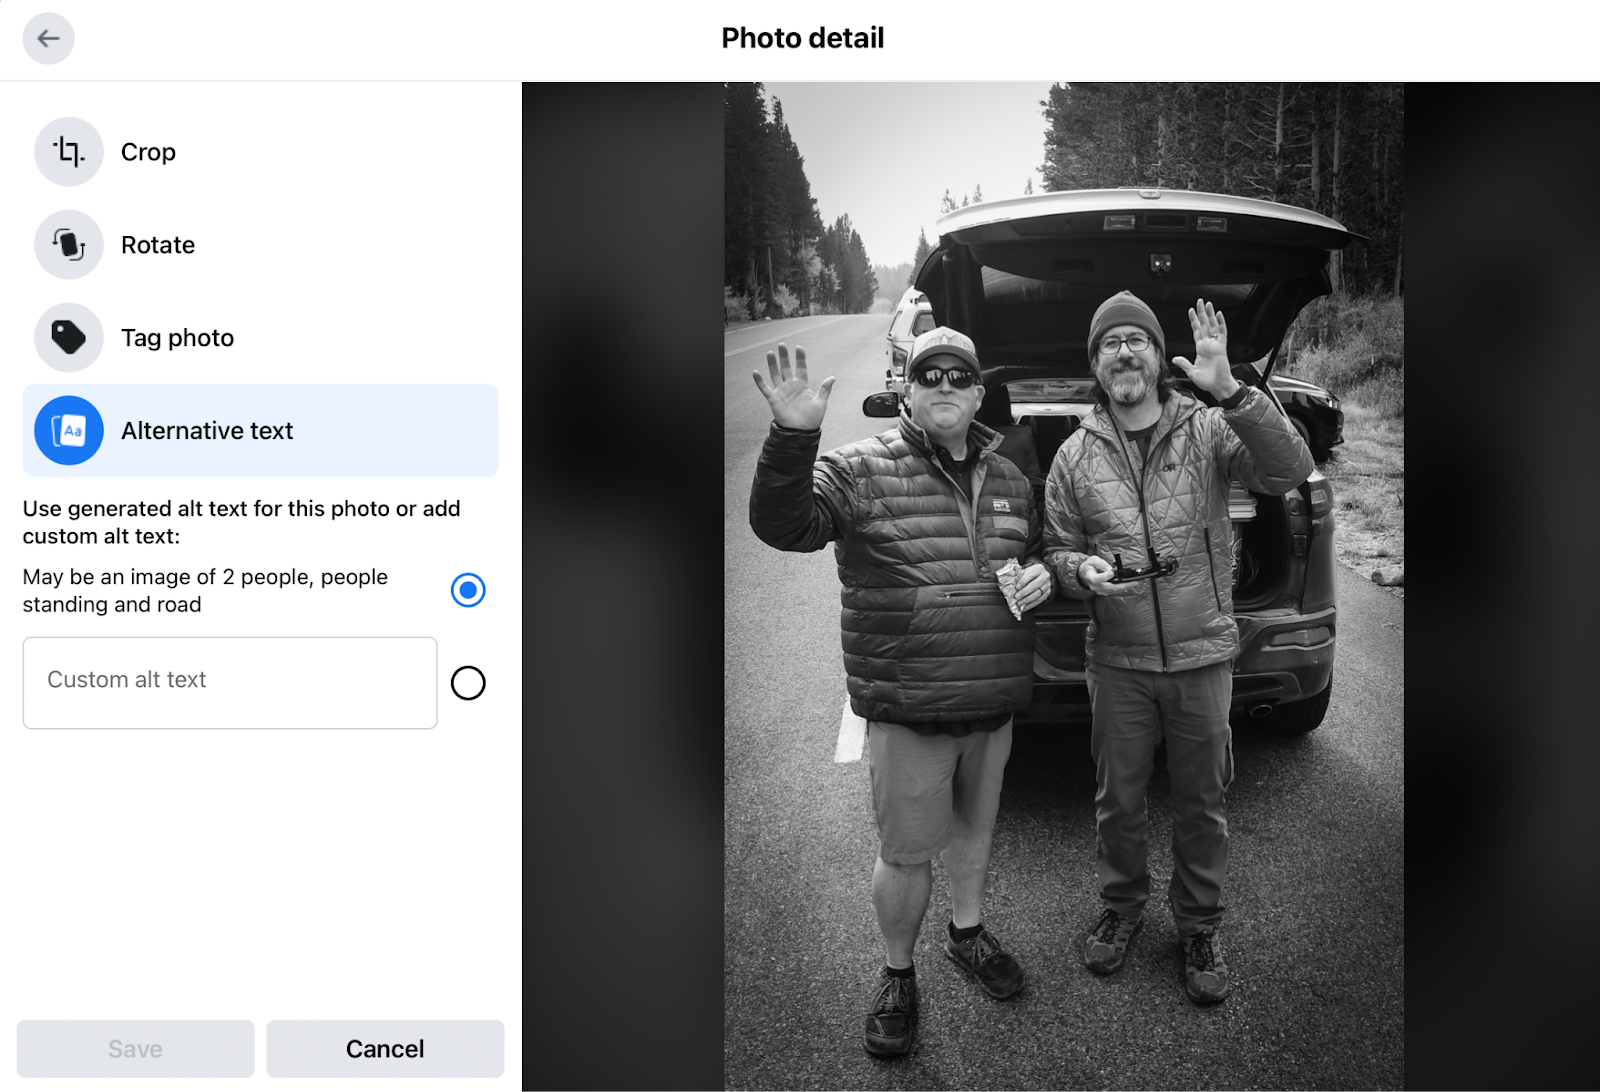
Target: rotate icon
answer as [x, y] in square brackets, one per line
[69, 244]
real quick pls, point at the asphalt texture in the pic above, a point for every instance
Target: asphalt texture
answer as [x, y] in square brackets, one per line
[1314, 929]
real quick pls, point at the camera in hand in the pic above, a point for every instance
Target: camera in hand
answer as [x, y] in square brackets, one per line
[1158, 567]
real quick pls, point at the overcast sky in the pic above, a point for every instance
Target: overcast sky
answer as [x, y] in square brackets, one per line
[884, 153]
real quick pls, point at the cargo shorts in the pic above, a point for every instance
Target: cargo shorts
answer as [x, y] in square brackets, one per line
[920, 783]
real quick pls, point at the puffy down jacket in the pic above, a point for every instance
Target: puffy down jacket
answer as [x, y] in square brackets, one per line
[926, 631]
[1101, 498]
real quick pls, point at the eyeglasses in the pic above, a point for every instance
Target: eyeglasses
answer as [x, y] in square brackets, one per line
[960, 378]
[1136, 343]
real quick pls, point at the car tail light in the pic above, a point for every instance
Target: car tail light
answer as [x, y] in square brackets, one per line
[1319, 492]
[1309, 637]
[899, 357]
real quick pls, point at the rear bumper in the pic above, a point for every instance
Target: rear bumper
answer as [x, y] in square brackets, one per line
[1263, 675]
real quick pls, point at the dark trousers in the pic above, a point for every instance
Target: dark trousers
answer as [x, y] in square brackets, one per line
[1133, 712]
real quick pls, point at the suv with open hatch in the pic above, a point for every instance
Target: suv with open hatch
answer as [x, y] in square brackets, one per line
[1023, 277]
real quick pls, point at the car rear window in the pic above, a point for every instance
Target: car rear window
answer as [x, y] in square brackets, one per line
[922, 324]
[1033, 321]
[1002, 289]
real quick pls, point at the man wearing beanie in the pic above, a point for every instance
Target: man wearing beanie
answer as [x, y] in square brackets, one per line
[925, 519]
[1145, 478]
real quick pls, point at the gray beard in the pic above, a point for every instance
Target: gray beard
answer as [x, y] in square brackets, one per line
[1129, 388]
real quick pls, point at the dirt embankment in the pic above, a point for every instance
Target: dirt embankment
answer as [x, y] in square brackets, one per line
[1369, 489]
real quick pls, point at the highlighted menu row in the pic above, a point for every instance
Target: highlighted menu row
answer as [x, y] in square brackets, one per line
[253, 430]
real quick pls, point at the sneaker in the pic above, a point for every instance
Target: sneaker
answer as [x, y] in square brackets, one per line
[1106, 946]
[984, 959]
[892, 1017]
[1205, 975]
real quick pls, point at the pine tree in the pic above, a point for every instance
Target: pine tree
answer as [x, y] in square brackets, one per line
[770, 220]
[1333, 148]
[923, 250]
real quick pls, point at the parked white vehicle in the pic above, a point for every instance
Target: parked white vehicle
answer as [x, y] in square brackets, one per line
[913, 316]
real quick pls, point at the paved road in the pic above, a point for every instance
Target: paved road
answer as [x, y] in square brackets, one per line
[1315, 926]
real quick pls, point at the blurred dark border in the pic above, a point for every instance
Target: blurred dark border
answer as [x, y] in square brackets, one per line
[1502, 717]
[622, 344]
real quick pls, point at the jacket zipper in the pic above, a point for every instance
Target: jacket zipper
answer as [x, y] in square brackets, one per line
[967, 508]
[1144, 519]
[1211, 563]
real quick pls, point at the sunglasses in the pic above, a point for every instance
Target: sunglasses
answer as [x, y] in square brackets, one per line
[960, 378]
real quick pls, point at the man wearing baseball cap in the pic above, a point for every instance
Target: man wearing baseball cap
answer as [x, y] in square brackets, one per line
[926, 521]
[1137, 524]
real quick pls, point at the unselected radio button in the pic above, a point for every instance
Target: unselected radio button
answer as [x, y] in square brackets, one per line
[467, 683]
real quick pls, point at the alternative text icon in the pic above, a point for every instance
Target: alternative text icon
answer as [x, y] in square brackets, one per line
[68, 430]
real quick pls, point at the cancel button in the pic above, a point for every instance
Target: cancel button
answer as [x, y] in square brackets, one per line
[386, 1048]
[357, 1049]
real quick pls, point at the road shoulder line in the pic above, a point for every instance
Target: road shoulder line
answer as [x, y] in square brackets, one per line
[780, 337]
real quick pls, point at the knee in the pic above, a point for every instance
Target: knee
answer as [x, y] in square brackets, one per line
[972, 822]
[1201, 784]
[1122, 797]
[892, 871]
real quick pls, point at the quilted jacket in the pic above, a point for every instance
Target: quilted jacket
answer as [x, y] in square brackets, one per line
[1100, 498]
[927, 634]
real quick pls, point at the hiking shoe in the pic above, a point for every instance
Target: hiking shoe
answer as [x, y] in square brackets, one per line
[984, 959]
[1106, 946]
[892, 1017]
[1205, 975]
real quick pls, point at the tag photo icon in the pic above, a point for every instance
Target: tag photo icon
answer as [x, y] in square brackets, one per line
[68, 336]
[65, 333]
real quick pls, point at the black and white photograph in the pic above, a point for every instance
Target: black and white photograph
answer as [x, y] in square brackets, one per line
[1064, 585]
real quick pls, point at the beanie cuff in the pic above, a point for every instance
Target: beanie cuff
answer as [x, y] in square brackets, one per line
[1126, 311]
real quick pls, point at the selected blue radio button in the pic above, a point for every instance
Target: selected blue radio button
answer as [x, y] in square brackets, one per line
[467, 589]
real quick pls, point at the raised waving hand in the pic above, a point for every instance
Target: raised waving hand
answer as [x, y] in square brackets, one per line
[1210, 371]
[794, 404]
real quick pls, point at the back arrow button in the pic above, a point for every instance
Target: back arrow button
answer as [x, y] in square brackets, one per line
[47, 38]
